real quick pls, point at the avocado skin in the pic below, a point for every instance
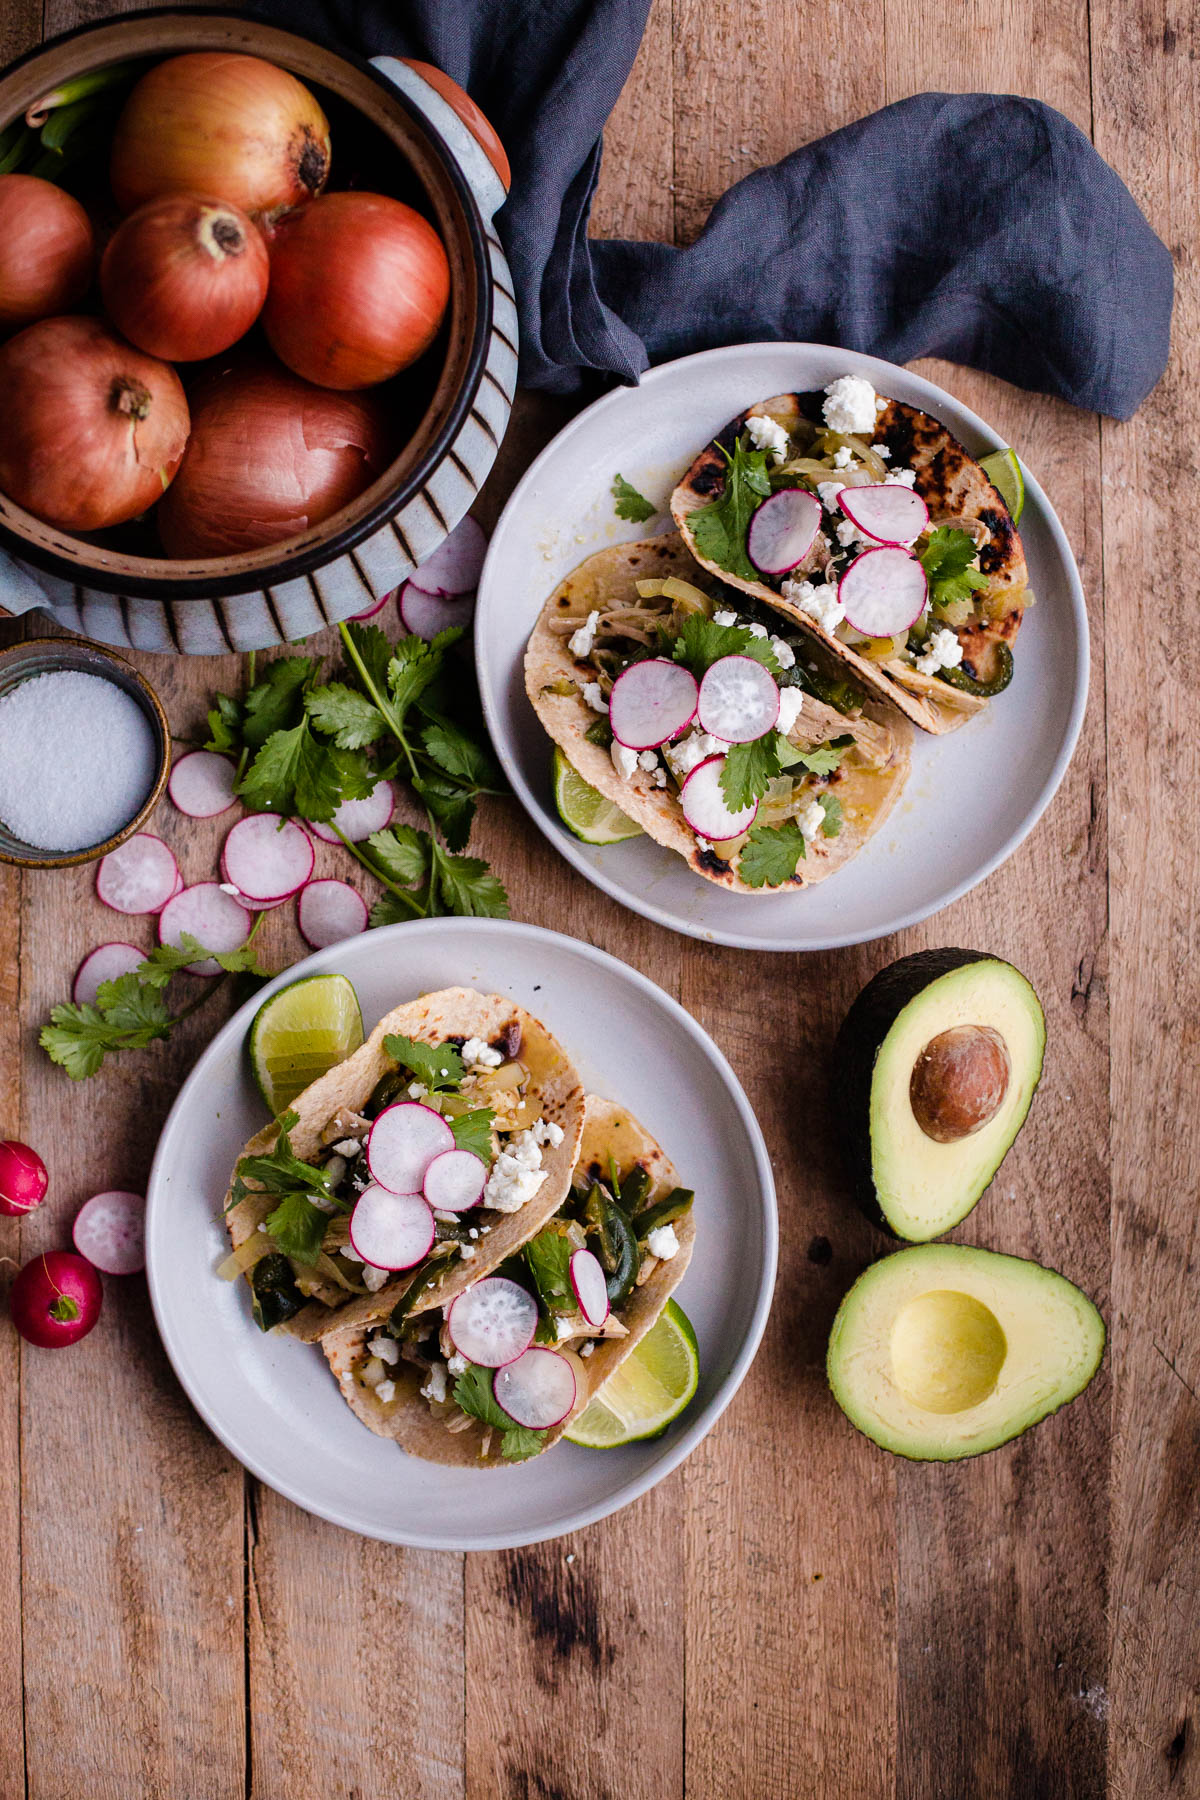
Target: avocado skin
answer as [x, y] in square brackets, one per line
[858, 1044]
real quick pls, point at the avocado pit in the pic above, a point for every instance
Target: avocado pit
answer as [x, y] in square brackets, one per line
[959, 1081]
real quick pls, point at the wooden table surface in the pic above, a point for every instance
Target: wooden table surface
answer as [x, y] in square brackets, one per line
[792, 1613]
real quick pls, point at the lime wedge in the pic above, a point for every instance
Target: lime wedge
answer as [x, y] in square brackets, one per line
[649, 1389]
[1004, 472]
[299, 1033]
[585, 812]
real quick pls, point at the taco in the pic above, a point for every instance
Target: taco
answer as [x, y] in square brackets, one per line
[506, 1091]
[950, 590]
[407, 1381]
[785, 808]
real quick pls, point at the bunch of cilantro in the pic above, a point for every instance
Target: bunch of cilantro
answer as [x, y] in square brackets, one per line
[304, 745]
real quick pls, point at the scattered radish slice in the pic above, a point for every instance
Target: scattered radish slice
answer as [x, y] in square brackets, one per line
[391, 1231]
[537, 1390]
[139, 876]
[591, 1289]
[782, 530]
[210, 915]
[883, 592]
[369, 612]
[107, 962]
[492, 1322]
[201, 784]
[328, 911]
[110, 1230]
[890, 514]
[454, 1180]
[454, 566]
[358, 819]
[651, 703]
[426, 614]
[266, 859]
[403, 1142]
[739, 700]
[704, 805]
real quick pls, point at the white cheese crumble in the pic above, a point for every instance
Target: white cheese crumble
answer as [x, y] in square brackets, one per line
[819, 603]
[768, 434]
[586, 1349]
[479, 1055]
[725, 617]
[784, 655]
[545, 1131]
[580, 642]
[901, 478]
[435, 1387]
[810, 822]
[828, 491]
[695, 748]
[385, 1391]
[758, 631]
[625, 761]
[648, 760]
[384, 1347]
[663, 1243]
[564, 1328]
[417, 1090]
[843, 458]
[850, 405]
[942, 650]
[791, 705]
[468, 1252]
[456, 1364]
[848, 533]
[593, 696]
[702, 843]
[516, 1175]
[347, 1147]
[347, 1250]
[882, 452]
[373, 1278]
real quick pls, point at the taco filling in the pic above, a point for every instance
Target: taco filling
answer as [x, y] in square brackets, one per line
[867, 522]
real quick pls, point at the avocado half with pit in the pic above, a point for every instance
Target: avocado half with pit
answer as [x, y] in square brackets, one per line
[936, 1066]
[943, 1351]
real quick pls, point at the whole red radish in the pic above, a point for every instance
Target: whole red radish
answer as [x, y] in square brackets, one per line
[56, 1299]
[23, 1178]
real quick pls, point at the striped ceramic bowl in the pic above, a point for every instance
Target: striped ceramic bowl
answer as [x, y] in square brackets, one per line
[336, 569]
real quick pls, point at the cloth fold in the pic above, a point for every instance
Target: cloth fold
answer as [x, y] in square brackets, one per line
[978, 227]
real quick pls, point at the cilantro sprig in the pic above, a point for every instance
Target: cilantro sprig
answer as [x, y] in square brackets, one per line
[946, 560]
[719, 529]
[473, 1393]
[629, 504]
[296, 1223]
[772, 853]
[131, 1012]
[700, 642]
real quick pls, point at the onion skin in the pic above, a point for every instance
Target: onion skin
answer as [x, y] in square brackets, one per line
[359, 288]
[211, 121]
[56, 1299]
[47, 250]
[269, 457]
[91, 430]
[184, 278]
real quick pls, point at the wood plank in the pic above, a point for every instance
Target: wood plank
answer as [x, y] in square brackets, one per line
[1147, 104]
[12, 1716]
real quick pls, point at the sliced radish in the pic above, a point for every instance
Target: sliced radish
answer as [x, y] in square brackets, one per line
[454, 566]
[651, 703]
[139, 876]
[782, 530]
[883, 592]
[591, 1289]
[369, 612]
[391, 1231]
[425, 614]
[454, 1180]
[358, 819]
[403, 1142]
[704, 805]
[891, 514]
[537, 1390]
[110, 1230]
[739, 700]
[107, 962]
[201, 784]
[328, 911]
[210, 915]
[492, 1322]
[266, 859]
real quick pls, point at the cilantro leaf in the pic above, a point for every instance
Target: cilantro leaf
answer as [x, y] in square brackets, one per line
[345, 715]
[451, 807]
[458, 754]
[277, 700]
[298, 1227]
[473, 1132]
[126, 1016]
[296, 774]
[402, 853]
[469, 889]
[389, 909]
[225, 725]
[296, 1224]
[833, 815]
[374, 652]
[129, 1006]
[946, 560]
[771, 854]
[166, 960]
[438, 1066]
[548, 1258]
[701, 642]
[629, 504]
[719, 529]
[825, 758]
[749, 770]
[413, 666]
[473, 1393]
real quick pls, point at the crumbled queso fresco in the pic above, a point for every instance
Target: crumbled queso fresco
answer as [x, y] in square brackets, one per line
[768, 434]
[663, 1243]
[850, 406]
[942, 651]
[818, 600]
[517, 1172]
[477, 1054]
[580, 642]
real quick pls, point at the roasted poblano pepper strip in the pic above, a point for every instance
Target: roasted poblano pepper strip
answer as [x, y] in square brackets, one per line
[634, 1190]
[663, 1212]
[387, 1088]
[396, 1323]
[614, 1242]
[276, 1296]
[983, 690]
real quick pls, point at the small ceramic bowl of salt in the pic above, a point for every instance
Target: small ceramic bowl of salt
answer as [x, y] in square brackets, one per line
[85, 750]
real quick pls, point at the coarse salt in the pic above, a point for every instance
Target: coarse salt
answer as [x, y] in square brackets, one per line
[77, 759]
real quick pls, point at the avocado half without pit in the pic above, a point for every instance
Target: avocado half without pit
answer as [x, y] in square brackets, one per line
[943, 1351]
[935, 1066]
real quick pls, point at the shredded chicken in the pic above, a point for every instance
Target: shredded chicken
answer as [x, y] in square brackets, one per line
[345, 1124]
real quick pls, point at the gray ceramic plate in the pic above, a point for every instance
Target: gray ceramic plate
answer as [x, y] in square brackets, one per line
[926, 854]
[273, 1402]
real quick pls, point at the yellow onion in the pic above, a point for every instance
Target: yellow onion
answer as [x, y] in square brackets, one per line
[46, 250]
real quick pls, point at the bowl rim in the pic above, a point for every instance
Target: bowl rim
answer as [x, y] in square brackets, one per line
[217, 587]
[74, 858]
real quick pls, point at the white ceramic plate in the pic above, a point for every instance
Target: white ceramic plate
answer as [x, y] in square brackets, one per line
[273, 1402]
[927, 853]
